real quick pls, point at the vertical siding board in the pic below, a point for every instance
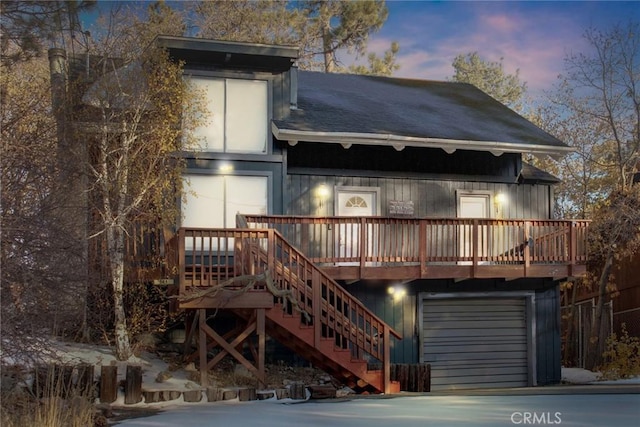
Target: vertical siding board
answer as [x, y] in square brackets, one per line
[519, 199]
[400, 315]
[533, 203]
[277, 94]
[431, 198]
[548, 335]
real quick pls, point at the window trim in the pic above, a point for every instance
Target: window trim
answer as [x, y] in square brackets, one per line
[239, 76]
[358, 189]
[486, 194]
[211, 172]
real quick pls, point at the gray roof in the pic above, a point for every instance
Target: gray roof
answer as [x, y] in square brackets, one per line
[413, 110]
[532, 174]
[230, 54]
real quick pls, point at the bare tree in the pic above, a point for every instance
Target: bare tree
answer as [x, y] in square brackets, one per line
[600, 96]
[136, 112]
[602, 88]
[39, 290]
[27, 26]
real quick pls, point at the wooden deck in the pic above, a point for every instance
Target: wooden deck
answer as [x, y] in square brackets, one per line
[435, 248]
[278, 275]
[258, 276]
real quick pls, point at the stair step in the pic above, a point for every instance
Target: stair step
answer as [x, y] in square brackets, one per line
[290, 328]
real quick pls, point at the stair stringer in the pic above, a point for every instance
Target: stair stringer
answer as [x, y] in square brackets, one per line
[304, 279]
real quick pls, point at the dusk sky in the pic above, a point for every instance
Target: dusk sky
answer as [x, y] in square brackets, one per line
[532, 36]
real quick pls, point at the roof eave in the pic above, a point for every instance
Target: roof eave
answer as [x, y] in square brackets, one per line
[399, 142]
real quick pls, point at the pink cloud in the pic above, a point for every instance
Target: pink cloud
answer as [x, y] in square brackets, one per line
[502, 23]
[533, 42]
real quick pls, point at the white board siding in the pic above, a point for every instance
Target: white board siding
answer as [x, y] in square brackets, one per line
[475, 342]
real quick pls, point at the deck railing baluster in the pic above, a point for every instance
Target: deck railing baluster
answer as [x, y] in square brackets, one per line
[436, 242]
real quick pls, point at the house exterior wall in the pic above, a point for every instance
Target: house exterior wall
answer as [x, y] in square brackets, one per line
[430, 178]
[431, 197]
[402, 314]
[399, 314]
[548, 349]
[270, 164]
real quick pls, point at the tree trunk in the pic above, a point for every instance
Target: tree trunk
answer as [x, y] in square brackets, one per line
[594, 355]
[328, 54]
[115, 243]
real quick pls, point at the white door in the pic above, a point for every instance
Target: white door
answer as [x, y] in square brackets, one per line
[354, 203]
[472, 206]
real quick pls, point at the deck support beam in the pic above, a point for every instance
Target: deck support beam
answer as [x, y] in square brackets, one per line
[386, 363]
[202, 347]
[233, 348]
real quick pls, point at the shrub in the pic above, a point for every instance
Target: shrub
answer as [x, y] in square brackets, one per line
[57, 407]
[622, 356]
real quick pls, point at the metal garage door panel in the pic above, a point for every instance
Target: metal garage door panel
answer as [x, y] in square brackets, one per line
[476, 342]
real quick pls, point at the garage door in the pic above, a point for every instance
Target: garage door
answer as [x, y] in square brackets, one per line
[475, 342]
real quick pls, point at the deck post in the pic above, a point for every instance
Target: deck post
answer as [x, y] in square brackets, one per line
[181, 260]
[526, 251]
[363, 244]
[191, 317]
[422, 247]
[260, 330]
[202, 347]
[317, 307]
[386, 363]
[573, 249]
[475, 247]
[271, 250]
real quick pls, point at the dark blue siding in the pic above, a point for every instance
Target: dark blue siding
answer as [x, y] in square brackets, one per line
[400, 315]
[548, 335]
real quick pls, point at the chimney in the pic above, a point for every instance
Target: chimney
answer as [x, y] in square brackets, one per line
[294, 87]
[58, 72]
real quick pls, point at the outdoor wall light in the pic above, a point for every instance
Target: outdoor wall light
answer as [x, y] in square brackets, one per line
[500, 203]
[397, 292]
[501, 199]
[225, 167]
[322, 193]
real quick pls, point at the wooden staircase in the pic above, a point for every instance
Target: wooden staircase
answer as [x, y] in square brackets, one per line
[291, 299]
[327, 354]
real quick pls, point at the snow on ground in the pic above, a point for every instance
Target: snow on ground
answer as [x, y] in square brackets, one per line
[583, 376]
[152, 365]
[447, 410]
[594, 410]
[579, 376]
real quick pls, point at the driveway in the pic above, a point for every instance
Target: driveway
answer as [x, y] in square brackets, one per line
[594, 407]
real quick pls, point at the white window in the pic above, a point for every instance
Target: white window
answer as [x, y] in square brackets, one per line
[238, 115]
[213, 201]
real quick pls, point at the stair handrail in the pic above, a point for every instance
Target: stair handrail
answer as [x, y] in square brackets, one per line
[335, 284]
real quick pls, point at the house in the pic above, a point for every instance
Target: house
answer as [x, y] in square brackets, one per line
[363, 221]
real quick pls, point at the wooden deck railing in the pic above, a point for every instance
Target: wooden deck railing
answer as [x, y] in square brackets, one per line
[509, 245]
[207, 257]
